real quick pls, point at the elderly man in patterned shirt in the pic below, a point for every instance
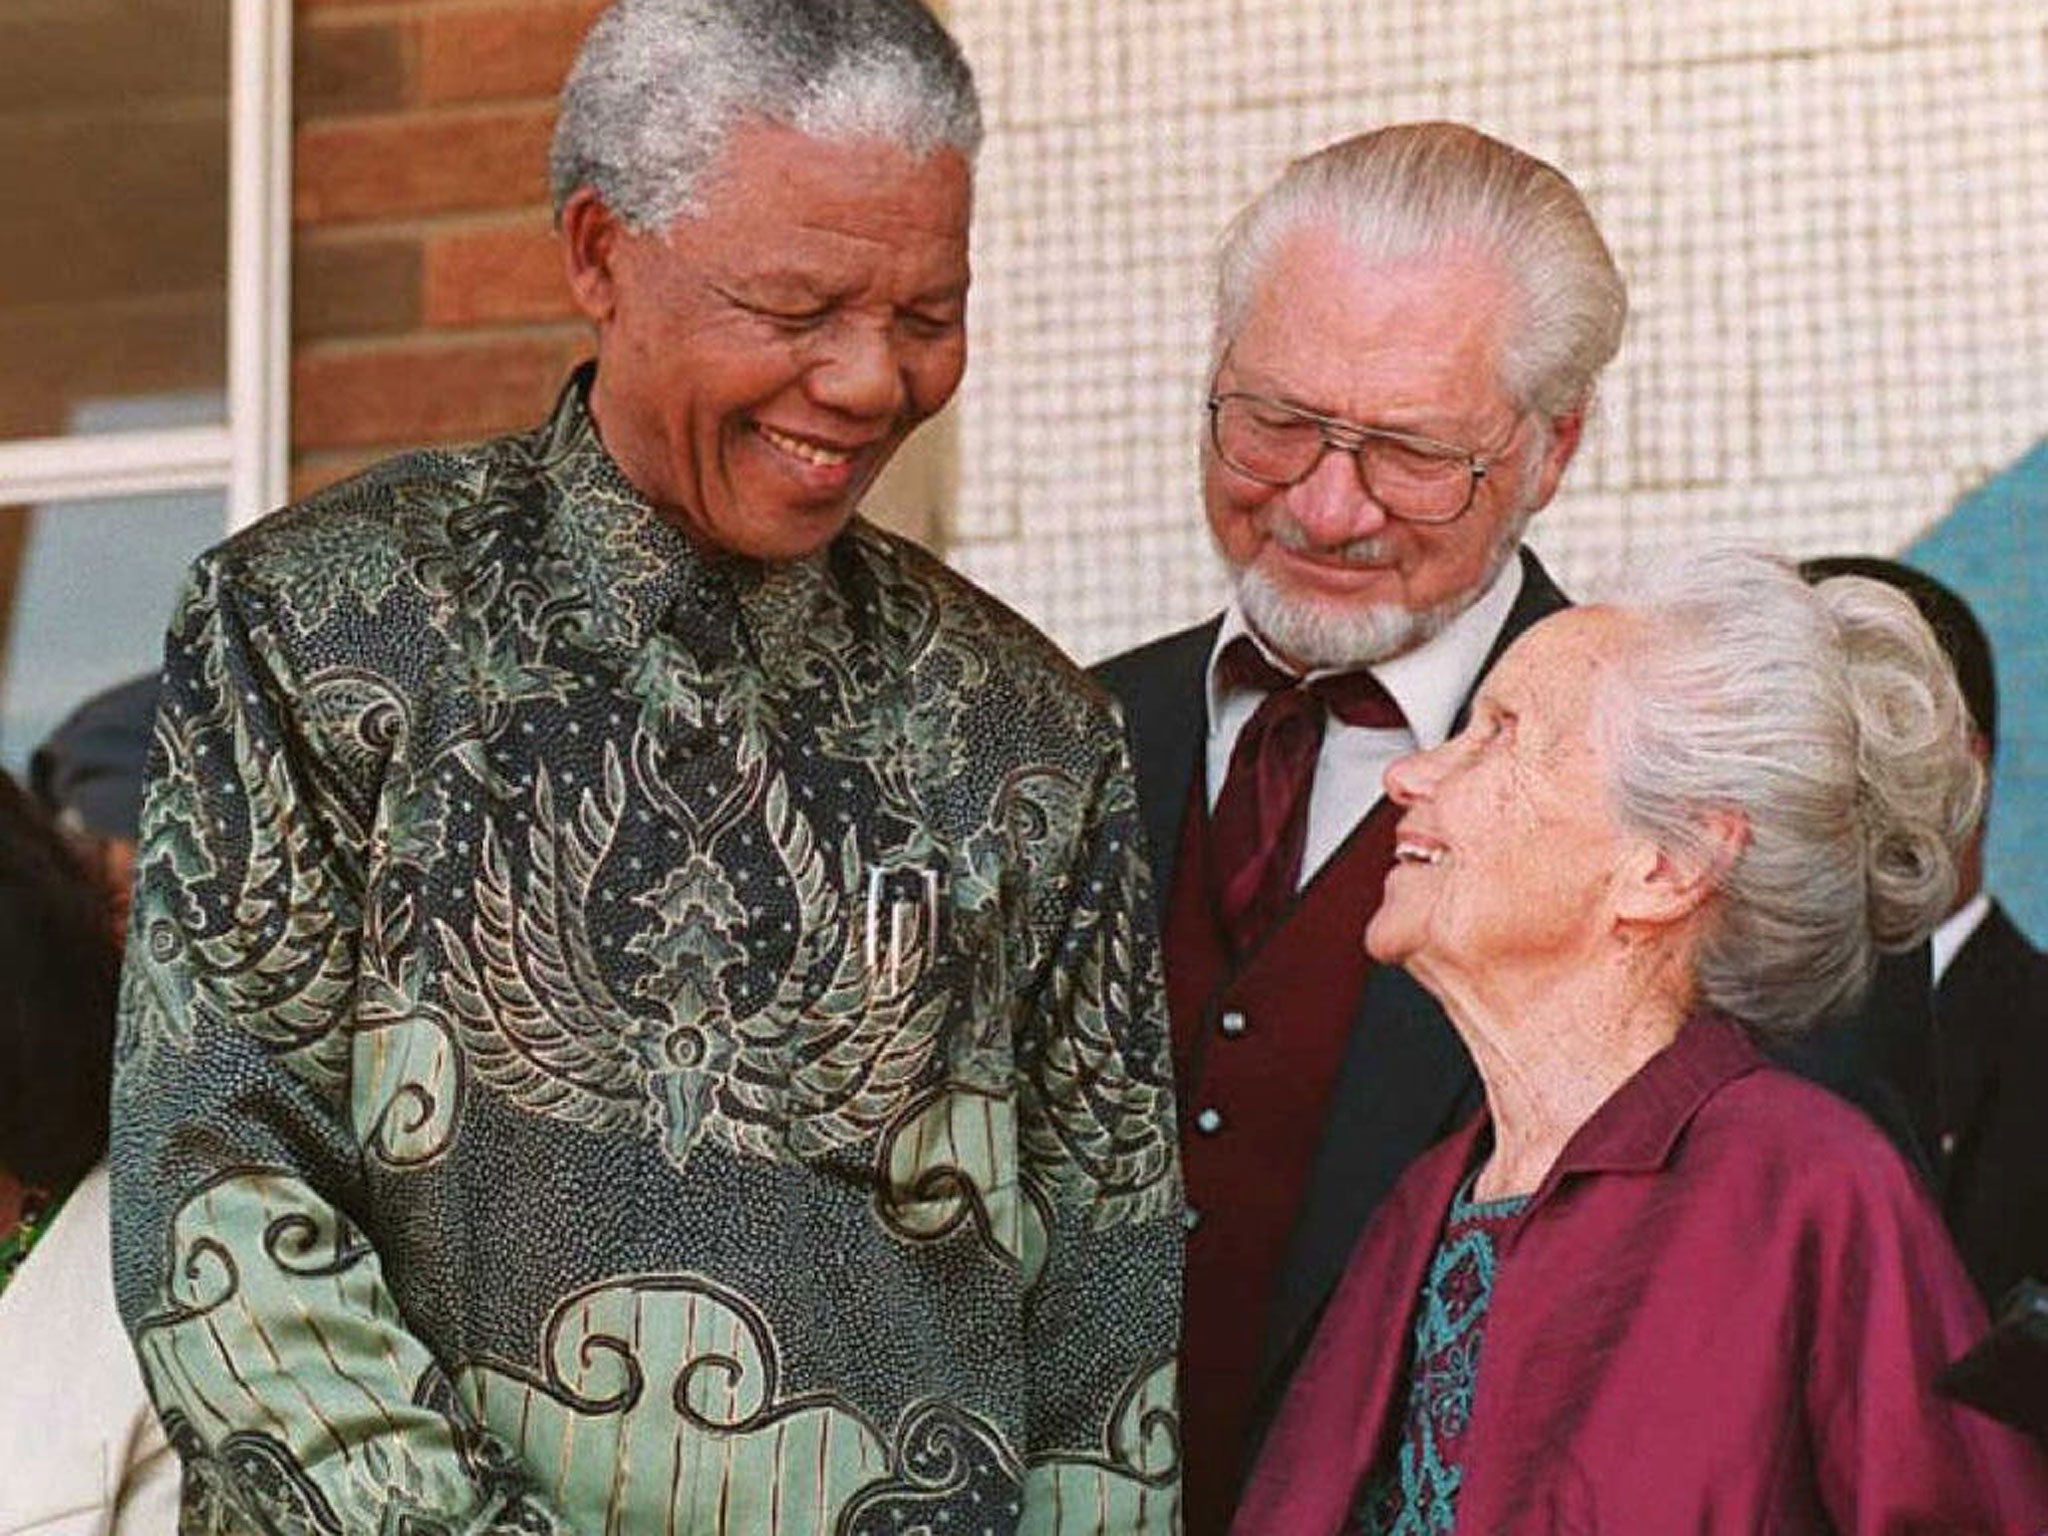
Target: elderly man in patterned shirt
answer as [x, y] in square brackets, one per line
[639, 1017]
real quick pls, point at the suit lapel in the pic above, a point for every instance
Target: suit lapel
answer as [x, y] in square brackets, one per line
[1538, 599]
[1163, 688]
[1984, 986]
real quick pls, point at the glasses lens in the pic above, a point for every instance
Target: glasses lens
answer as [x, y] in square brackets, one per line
[1265, 441]
[1408, 482]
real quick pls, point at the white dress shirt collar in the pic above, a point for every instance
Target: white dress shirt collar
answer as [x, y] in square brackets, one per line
[1955, 931]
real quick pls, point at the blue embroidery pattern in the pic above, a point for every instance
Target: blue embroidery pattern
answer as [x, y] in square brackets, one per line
[1414, 1490]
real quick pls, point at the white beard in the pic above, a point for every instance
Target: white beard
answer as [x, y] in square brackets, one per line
[1325, 633]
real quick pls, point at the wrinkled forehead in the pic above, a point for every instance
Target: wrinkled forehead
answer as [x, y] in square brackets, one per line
[831, 215]
[1567, 673]
[1331, 320]
[771, 171]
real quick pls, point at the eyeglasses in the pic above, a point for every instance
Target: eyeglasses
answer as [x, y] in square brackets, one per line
[1415, 479]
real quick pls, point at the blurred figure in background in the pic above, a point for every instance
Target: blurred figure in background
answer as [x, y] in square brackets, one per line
[1981, 1079]
[89, 776]
[80, 1448]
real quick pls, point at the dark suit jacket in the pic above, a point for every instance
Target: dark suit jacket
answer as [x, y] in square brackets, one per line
[1406, 1080]
[1991, 1074]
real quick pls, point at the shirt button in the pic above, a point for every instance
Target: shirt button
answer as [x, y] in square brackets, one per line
[1209, 1122]
[1190, 1218]
[1233, 1023]
[1948, 1143]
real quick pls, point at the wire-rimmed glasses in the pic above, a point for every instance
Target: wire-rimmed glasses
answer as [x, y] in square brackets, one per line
[1416, 479]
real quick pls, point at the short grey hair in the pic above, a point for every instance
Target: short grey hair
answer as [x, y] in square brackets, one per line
[659, 84]
[1424, 189]
[1826, 717]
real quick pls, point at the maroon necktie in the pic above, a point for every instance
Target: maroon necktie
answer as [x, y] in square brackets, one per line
[1260, 822]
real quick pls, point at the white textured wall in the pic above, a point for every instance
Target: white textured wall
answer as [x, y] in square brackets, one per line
[1833, 216]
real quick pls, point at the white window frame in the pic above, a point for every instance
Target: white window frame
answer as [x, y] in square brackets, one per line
[248, 457]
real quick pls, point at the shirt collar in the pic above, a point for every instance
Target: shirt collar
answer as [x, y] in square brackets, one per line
[642, 573]
[1955, 931]
[1431, 682]
[1640, 1123]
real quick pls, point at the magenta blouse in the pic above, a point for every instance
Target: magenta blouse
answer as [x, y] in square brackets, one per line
[1722, 1312]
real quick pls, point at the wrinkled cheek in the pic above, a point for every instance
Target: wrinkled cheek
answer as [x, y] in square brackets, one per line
[932, 384]
[1240, 536]
[731, 457]
[1235, 523]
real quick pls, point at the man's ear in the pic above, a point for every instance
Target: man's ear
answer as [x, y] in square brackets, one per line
[1565, 432]
[591, 233]
[1662, 887]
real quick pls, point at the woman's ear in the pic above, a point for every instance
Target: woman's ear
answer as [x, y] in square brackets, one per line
[1664, 887]
[590, 238]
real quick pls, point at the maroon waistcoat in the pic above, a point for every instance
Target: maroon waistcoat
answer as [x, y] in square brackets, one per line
[1256, 1046]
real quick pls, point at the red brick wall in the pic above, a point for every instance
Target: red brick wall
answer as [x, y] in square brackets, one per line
[427, 299]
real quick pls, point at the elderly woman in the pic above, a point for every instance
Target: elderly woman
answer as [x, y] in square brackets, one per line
[1658, 1285]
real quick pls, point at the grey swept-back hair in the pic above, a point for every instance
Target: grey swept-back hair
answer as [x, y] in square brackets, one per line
[659, 84]
[1419, 189]
[1828, 718]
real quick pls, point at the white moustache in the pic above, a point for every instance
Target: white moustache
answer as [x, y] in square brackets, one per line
[1373, 549]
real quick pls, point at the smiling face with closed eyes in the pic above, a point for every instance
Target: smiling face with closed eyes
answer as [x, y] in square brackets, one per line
[761, 358]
